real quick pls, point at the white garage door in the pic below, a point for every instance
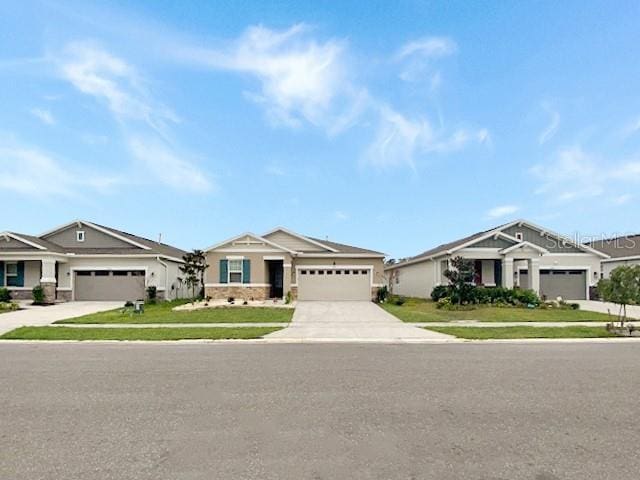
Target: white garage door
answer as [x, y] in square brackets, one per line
[103, 285]
[334, 284]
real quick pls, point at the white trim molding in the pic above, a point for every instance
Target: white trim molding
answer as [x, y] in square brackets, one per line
[214, 285]
[300, 237]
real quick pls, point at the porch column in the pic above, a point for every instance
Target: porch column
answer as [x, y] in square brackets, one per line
[533, 265]
[48, 280]
[286, 278]
[507, 272]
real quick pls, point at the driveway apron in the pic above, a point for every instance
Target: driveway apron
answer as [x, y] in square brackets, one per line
[349, 321]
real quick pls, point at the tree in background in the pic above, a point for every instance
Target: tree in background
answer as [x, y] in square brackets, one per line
[460, 278]
[623, 288]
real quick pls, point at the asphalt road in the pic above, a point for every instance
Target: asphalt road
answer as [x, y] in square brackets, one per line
[539, 412]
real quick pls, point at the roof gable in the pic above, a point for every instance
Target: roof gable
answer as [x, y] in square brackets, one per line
[297, 242]
[10, 241]
[247, 242]
[96, 237]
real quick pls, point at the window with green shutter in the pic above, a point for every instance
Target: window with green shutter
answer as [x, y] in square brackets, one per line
[224, 268]
[1, 274]
[246, 271]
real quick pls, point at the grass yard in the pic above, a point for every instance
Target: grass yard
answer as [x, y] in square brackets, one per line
[418, 310]
[162, 313]
[486, 333]
[151, 333]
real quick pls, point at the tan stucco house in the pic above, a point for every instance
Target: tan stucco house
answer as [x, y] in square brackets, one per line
[624, 250]
[85, 261]
[267, 266]
[518, 253]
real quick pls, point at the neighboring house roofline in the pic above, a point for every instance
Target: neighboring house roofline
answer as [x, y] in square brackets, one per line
[19, 238]
[104, 230]
[452, 247]
[301, 237]
[253, 235]
[621, 259]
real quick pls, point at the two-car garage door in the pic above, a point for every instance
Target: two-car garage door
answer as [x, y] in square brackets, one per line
[107, 285]
[334, 284]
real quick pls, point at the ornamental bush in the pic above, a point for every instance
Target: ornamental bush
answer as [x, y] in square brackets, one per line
[5, 295]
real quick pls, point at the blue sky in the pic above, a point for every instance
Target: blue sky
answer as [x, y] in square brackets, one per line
[391, 126]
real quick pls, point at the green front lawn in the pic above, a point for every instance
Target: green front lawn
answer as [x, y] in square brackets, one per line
[486, 333]
[150, 333]
[162, 313]
[418, 310]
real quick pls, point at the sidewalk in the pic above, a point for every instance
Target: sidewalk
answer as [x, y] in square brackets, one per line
[633, 311]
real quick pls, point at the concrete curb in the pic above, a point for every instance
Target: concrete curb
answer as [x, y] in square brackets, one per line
[329, 341]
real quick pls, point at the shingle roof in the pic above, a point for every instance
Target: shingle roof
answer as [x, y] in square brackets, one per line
[619, 247]
[441, 249]
[154, 247]
[42, 242]
[342, 248]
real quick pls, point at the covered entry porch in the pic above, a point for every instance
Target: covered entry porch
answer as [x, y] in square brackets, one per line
[19, 273]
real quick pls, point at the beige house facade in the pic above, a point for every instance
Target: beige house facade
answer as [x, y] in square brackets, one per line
[282, 262]
[518, 253]
[82, 260]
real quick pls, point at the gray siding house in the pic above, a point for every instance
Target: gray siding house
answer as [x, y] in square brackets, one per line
[623, 250]
[518, 253]
[85, 261]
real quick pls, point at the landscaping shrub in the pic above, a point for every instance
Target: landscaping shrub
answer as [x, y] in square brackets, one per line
[440, 291]
[37, 293]
[397, 300]
[9, 306]
[382, 295]
[526, 297]
[152, 294]
[288, 299]
[5, 295]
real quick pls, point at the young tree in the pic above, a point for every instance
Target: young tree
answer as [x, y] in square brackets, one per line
[195, 264]
[460, 278]
[623, 288]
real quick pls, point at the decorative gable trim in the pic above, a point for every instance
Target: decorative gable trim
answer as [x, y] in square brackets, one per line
[257, 240]
[80, 223]
[7, 235]
[524, 244]
[564, 239]
[492, 233]
[301, 237]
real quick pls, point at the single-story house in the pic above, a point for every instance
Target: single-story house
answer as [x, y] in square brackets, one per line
[86, 261]
[518, 253]
[623, 250]
[267, 266]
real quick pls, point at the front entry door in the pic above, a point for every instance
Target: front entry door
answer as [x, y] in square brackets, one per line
[276, 279]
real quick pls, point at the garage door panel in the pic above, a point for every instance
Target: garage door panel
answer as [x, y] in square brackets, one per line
[334, 284]
[568, 284]
[106, 285]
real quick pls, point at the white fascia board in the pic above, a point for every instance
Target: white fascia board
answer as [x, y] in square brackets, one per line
[524, 244]
[340, 255]
[620, 259]
[22, 240]
[301, 237]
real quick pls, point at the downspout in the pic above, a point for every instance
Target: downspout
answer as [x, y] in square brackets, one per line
[166, 277]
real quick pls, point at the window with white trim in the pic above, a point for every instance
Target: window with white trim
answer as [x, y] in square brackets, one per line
[11, 274]
[80, 235]
[235, 271]
[519, 236]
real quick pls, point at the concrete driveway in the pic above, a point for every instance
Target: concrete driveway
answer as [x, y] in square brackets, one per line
[32, 315]
[349, 321]
[633, 311]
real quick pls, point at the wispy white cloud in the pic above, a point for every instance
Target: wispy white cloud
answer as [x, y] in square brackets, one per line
[301, 79]
[400, 140]
[418, 59]
[574, 174]
[94, 71]
[45, 116]
[30, 171]
[166, 165]
[430, 47]
[502, 211]
[340, 215]
[552, 127]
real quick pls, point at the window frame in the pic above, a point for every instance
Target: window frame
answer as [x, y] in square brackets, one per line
[235, 271]
[8, 275]
[519, 236]
[81, 236]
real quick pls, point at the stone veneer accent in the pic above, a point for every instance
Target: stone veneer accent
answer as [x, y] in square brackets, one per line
[49, 291]
[20, 294]
[238, 292]
[64, 295]
[294, 293]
